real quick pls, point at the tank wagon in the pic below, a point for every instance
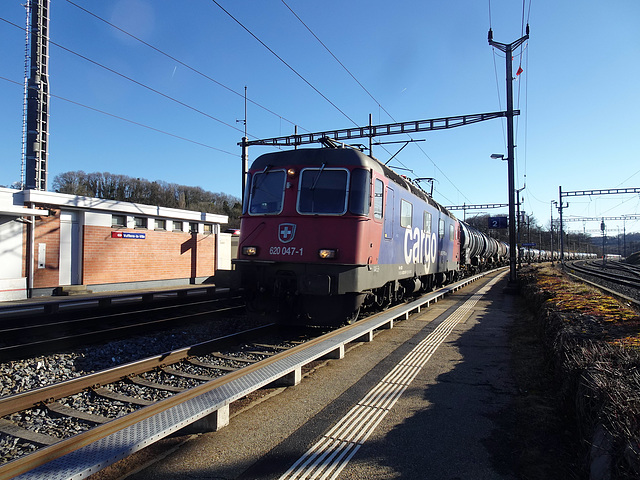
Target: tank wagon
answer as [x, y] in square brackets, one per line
[328, 231]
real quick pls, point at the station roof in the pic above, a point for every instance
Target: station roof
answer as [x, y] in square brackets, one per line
[63, 200]
[17, 211]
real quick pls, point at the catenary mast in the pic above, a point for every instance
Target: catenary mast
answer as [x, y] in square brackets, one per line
[37, 101]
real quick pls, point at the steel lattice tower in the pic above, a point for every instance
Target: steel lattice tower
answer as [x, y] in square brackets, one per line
[37, 114]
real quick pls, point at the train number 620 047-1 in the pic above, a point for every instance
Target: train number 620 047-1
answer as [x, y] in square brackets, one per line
[285, 251]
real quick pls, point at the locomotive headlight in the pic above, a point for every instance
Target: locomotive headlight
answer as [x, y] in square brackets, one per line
[327, 253]
[291, 172]
[250, 251]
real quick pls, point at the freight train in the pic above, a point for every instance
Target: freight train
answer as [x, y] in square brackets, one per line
[328, 231]
[533, 255]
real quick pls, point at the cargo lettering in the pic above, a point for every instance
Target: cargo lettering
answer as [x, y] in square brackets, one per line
[419, 246]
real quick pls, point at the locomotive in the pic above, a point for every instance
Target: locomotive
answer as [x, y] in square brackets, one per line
[328, 231]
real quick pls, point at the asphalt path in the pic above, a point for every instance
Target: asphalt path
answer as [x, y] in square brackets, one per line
[440, 422]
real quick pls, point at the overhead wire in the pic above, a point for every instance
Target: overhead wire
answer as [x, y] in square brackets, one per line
[115, 72]
[228, 88]
[338, 60]
[283, 61]
[495, 71]
[237, 93]
[375, 100]
[173, 58]
[129, 121]
[522, 48]
[526, 86]
[628, 178]
[490, 25]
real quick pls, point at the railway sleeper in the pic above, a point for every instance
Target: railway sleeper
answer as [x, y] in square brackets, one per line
[61, 409]
[180, 373]
[212, 366]
[229, 357]
[9, 428]
[259, 352]
[272, 347]
[143, 382]
[111, 395]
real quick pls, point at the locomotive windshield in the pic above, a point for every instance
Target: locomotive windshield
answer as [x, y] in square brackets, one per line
[267, 192]
[323, 191]
[359, 195]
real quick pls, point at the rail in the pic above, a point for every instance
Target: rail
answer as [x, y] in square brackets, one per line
[574, 271]
[84, 454]
[608, 276]
[51, 305]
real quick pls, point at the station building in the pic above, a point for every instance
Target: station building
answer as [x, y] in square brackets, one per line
[49, 241]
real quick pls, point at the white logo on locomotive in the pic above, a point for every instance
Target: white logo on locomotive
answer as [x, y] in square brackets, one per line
[286, 232]
[419, 246]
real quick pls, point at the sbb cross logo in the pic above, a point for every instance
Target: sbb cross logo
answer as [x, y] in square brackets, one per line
[286, 232]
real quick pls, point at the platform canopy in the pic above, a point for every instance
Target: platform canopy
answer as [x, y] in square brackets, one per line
[17, 211]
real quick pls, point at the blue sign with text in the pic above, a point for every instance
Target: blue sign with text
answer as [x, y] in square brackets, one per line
[498, 222]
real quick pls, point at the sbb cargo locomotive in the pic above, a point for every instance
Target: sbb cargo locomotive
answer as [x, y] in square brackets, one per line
[326, 231]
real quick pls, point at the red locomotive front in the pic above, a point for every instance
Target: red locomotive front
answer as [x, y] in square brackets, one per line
[307, 231]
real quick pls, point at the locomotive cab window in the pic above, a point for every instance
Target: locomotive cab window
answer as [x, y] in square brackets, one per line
[323, 191]
[359, 192]
[247, 194]
[441, 229]
[426, 222]
[406, 213]
[378, 199]
[452, 235]
[267, 192]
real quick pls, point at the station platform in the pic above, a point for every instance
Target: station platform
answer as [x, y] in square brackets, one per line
[74, 298]
[425, 399]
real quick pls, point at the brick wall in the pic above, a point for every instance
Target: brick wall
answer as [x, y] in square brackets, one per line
[161, 255]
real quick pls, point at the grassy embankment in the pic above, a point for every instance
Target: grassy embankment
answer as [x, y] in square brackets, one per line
[591, 344]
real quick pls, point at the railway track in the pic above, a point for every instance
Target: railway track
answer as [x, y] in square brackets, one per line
[632, 271]
[22, 336]
[614, 277]
[79, 426]
[45, 416]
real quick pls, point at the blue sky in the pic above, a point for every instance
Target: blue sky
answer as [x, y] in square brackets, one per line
[578, 94]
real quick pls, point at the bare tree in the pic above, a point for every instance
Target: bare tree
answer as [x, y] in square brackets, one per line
[110, 186]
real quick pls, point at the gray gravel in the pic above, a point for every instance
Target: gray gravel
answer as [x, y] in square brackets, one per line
[96, 405]
[31, 373]
[12, 447]
[22, 375]
[40, 420]
[139, 391]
